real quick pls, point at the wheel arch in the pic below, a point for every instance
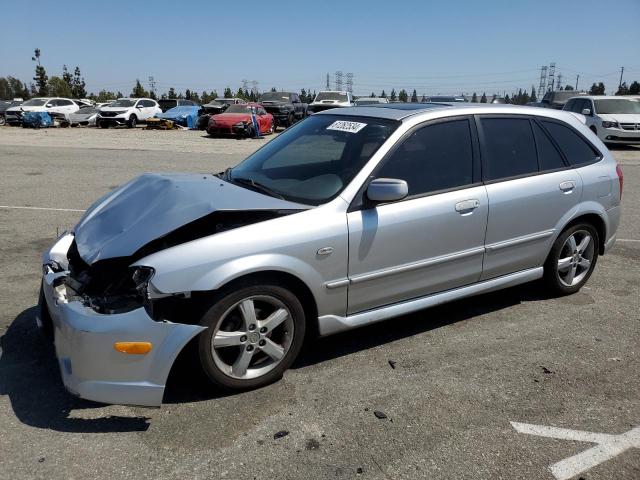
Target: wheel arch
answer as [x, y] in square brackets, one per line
[596, 221]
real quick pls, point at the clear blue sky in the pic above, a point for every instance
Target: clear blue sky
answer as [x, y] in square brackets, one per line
[436, 47]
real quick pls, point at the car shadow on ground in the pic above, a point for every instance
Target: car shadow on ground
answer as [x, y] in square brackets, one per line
[29, 376]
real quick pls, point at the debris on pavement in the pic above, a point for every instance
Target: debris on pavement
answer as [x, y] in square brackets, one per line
[392, 364]
[380, 414]
[546, 370]
[280, 434]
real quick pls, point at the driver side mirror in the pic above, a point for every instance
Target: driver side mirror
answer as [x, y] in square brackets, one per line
[49, 105]
[586, 111]
[382, 190]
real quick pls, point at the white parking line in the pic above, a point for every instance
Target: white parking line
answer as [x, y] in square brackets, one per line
[632, 240]
[608, 446]
[15, 207]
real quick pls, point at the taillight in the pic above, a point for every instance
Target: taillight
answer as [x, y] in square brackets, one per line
[620, 178]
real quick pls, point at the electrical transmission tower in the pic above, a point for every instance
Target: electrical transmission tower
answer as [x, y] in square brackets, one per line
[350, 82]
[338, 80]
[152, 84]
[559, 82]
[543, 81]
[328, 86]
[254, 87]
[551, 78]
[245, 85]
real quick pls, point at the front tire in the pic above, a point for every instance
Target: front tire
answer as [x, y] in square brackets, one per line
[572, 259]
[133, 121]
[291, 120]
[254, 334]
[104, 125]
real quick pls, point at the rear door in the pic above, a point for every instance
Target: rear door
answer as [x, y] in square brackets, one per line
[532, 191]
[433, 239]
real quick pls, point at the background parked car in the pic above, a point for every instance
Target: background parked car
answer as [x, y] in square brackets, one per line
[169, 103]
[359, 102]
[612, 119]
[330, 99]
[237, 120]
[85, 116]
[448, 99]
[56, 107]
[285, 107]
[127, 111]
[6, 104]
[557, 99]
[219, 105]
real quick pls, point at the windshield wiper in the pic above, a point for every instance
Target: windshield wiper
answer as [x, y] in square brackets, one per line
[257, 186]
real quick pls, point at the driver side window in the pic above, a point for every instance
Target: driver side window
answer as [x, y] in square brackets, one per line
[434, 158]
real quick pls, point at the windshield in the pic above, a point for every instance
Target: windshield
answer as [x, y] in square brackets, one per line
[124, 102]
[313, 161]
[35, 102]
[617, 106]
[274, 97]
[238, 109]
[342, 97]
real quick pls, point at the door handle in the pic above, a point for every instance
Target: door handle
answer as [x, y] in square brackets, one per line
[467, 206]
[568, 186]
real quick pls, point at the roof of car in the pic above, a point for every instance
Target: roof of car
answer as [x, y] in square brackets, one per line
[401, 111]
[604, 97]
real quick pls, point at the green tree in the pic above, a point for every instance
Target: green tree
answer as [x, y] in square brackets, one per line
[568, 87]
[414, 96]
[78, 85]
[172, 93]
[11, 87]
[533, 96]
[273, 89]
[483, 98]
[138, 90]
[634, 88]
[507, 99]
[105, 96]
[66, 76]
[373, 95]
[392, 96]
[240, 93]
[383, 94]
[187, 94]
[474, 98]
[57, 87]
[623, 89]
[423, 99]
[403, 96]
[228, 93]
[597, 89]
[42, 81]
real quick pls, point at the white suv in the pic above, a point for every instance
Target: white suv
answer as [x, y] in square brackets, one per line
[614, 119]
[56, 107]
[127, 111]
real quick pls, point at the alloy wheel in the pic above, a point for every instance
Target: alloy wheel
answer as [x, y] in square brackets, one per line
[576, 257]
[252, 337]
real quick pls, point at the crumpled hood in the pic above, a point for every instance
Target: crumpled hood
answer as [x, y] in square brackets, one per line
[152, 205]
[231, 118]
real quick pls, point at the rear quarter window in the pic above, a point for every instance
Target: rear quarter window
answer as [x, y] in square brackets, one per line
[576, 149]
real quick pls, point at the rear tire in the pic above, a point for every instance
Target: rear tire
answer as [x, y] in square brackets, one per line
[572, 259]
[253, 335]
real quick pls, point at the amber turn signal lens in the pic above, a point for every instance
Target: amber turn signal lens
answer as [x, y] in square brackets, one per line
[134, 348]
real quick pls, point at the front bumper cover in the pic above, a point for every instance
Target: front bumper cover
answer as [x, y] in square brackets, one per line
[84, 343]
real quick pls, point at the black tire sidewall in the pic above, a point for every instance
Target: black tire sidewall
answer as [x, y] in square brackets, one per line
[550, 266]
[133, 120]
[212, 316]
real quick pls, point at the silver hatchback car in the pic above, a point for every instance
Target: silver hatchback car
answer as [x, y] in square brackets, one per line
[350, 217]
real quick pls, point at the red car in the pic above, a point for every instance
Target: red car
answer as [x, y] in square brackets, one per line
[236, 120]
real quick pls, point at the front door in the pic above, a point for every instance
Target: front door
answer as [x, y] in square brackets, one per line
[431, 241]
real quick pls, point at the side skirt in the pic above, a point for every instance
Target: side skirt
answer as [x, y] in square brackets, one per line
[330, 324]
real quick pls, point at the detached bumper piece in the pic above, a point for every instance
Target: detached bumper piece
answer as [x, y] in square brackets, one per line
[160, 124]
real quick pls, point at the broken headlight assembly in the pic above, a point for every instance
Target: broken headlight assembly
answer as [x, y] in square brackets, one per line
[125, 295]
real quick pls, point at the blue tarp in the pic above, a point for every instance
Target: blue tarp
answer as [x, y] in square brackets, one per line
[186, 115]
[36, 119]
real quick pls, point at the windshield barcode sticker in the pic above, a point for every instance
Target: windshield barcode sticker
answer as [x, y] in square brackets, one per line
[345, 126]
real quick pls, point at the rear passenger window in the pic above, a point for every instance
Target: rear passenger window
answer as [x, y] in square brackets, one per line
[575, 148]
[436, 157]
[509, 149]
[548, 156]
